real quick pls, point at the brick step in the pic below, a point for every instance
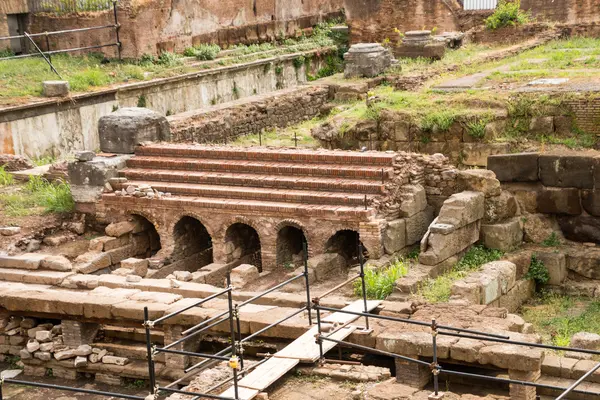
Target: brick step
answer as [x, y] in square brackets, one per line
[255, 180]
[229, 205]
[372, 158]
[259, 167]
[587, 386]
[252, 193]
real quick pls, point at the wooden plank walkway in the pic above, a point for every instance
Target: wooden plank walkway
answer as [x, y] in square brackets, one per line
[304, 349]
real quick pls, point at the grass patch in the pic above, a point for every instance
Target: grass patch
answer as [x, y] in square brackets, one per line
[557, 318]
[283, 137]
[203, 52]
[438, 290]
[38, 196]
[380, 283]
[5, 177]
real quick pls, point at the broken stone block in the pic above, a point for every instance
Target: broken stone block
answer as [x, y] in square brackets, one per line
[581, 228]
[556, 263]
[33, 346]
[16, 340]
[500, 208]
[186, 276]
[10, 230]
[366, 60]
[441, 247]
[517, 167]
[324, 265]
[512, 357]
[115, 360]
[567, 171]
[590, 200]
[22, 261]
[539, 227]
[84, 155]
[118, 229]
[43, 355]
[28, 323]
[462, 209]
[476, 154]
[503, 236]
[243, 275]
[65, 354]
[56, 263]
[554, 200]
[47, 347]
[585, 340]
[394, 236]
[55, 88]
[80, 362]
[136, 265]
[412, 199]
[585, 262]
[89, 262]
[417, 225]
[479, 180]
[541, 126]
[43, 336]
[25, 355]
[122, 130]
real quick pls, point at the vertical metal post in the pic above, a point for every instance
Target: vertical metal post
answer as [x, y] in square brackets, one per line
[239, 334]
[435, 371]
[319, 340]
[382, 177]
[48, 48]
[366, 204]
[117, 29]
[260, 138]
[149, 352]
[232, 335]
[362, 278]
[295, 139]
[1, 384]
[307, 281]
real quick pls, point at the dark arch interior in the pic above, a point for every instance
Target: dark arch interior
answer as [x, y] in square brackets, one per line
[242, 244]
[193, 245]
[145, 237]
[346, 243]
[290, 249]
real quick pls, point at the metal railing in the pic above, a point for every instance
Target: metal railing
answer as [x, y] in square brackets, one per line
[45, 37]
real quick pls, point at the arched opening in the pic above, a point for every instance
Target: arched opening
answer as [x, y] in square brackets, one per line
[193, 245]
[345, 243]
[290, 246]
[242, 244]
[145, 237]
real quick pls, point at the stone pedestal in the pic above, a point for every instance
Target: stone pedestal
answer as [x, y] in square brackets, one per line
[125, 128]
[420, 44]
[521, 392]
[412, 374]
[366, 60]
[55, 88]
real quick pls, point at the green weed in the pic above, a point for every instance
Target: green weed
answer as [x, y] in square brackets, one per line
[538, 272]
[476, 129]
[552, 241]
[203, 52]
[380, 284]
[6, 177]
[168, 59]
[37, 194]
[437, 120]
[508, 13]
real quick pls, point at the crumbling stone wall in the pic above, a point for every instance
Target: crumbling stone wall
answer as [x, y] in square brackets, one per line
[554, 190]
[249, 116]
[571, 11]
[155, 26]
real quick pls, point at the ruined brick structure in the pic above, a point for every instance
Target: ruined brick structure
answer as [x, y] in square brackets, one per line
[154, 26]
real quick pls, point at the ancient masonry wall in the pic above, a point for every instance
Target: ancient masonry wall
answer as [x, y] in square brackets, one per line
[155, 26]
[60, 127]
[564, 186]
[248, 116]
[9, 7]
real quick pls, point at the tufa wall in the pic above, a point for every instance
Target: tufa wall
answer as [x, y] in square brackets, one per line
[151, 26]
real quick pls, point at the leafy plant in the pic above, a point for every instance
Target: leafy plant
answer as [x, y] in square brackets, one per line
[299, 62]
[476, 129]
[508, 13]
[203, 52]
[538, 272]
[437, 120]
[13, 362]
[552, 240]
[6, 177]
[380, 284]
[39, 193]
[168, 59]
[6, 53]
[141, 101]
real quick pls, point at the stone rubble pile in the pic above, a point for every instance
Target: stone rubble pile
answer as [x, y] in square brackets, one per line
[143, 190]
[29, 339]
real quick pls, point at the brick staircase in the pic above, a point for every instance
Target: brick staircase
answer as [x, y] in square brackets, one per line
[284, 180]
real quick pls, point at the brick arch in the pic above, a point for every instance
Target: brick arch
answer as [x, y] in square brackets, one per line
[349, 250]
[252, 224]
[179, 216]
[157, 225]
[294, 224]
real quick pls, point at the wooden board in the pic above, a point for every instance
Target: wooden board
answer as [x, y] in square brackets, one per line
[268, 373]
[306, 349]
[243, 393]
[357, 306]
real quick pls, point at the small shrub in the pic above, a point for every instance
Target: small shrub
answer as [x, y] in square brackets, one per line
[538, 272]
[476, 129]
[380, 284]
[278, 70]
[5, 177]
[141, 101]
[147, 59]
[206, 52]
[552, 240]
[440, 120]
[298, 62]
[6, 53]
[508, 13]
[168, 59]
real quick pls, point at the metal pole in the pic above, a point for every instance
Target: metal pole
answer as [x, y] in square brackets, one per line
[42, 54]
[382, 177]
[362, 278]
[573, 386]
[260, 138]
[365, 201]
[239, 332]
[149, 352]
[1, 383]
[434, 367]
[117, 29]
[307, 280]
[48, 47]
[319, 340]
[295, 139]
[232, 335]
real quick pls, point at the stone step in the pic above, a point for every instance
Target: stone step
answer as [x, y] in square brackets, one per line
[265, 207]
[252, 193]
[261, 167]
[256, 180]
[565, 383]
[270, 155]
[40, 277]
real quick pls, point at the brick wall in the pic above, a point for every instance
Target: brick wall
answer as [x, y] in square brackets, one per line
[173, 26]
[587, 112]
[571, 11]
[250, 116]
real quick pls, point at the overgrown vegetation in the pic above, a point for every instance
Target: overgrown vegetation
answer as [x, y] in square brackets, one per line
[538, 272]
[507, 13]
[438, 290]
[557, 318]
[38, 196]
[552, 241]
[5, 177]
[380, 283]
[203, 52]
